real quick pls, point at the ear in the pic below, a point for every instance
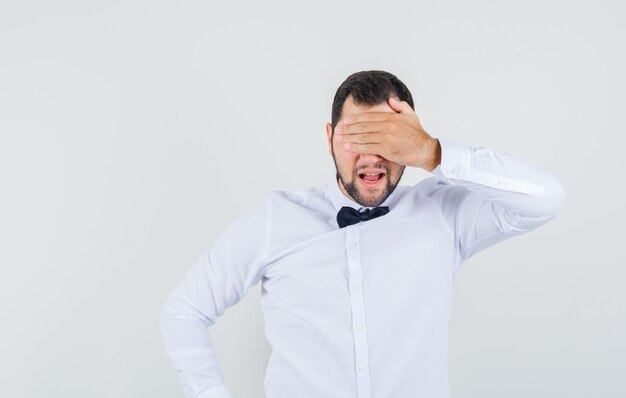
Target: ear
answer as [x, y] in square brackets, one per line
[329, 137]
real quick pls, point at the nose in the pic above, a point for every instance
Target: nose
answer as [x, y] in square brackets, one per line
[371, 157]
[371, 160]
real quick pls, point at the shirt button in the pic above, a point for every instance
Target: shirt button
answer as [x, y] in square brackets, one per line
[359, 325]
[500, 182]
[351, 246]
[362, 367]
[355, 286]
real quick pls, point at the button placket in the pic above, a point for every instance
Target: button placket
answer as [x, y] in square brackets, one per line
[357, 306]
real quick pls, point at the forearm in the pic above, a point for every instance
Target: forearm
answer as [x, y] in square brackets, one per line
[217, 281]
[517, 186]
[188, 345]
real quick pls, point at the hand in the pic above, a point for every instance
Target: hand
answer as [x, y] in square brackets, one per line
[397, 136]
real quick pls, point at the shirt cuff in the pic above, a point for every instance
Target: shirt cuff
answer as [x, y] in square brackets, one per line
[456, 160]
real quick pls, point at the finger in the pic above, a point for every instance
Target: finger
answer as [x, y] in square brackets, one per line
[365, 117]
[360, 127]
[361, 138]
[362, 148]
[400, 106]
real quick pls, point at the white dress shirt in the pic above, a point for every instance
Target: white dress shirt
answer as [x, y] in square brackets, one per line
[360, 311]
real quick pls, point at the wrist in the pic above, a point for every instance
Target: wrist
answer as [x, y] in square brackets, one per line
[434, 155]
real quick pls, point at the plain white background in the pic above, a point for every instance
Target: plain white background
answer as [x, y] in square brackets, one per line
[133, 132]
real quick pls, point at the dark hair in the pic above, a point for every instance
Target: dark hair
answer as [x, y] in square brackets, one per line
[369, 88]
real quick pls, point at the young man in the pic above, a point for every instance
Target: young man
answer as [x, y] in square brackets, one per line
[357, 274]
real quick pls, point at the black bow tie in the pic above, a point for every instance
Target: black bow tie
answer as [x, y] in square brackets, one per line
[348, 216]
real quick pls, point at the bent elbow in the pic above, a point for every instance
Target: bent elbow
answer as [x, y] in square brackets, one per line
[178, 310]
[539, 210]
[550, 204]
[555, 198]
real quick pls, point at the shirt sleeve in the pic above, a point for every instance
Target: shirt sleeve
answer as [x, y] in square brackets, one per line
[495, 196]
[219, 279]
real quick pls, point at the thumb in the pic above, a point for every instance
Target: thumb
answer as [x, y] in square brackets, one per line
[400, 106]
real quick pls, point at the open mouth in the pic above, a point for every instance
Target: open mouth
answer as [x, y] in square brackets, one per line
[371, 180]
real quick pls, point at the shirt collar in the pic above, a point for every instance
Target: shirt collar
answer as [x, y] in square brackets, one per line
[339, 199]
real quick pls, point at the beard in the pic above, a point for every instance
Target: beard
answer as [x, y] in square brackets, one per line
[358, 192]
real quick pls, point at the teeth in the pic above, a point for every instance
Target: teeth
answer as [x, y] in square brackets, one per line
[372, 182]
